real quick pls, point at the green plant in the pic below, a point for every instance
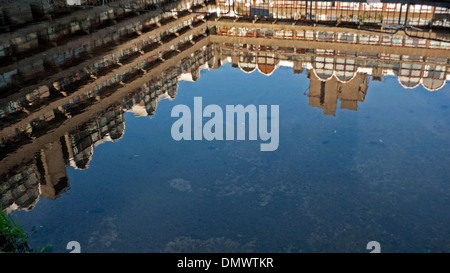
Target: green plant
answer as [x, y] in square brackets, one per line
[14, 238]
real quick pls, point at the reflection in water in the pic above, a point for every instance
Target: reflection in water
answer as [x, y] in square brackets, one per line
[66, 90]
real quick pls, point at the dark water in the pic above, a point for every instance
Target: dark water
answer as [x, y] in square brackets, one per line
[334, 183]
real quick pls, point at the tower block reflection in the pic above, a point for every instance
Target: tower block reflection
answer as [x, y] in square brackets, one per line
[325, 94]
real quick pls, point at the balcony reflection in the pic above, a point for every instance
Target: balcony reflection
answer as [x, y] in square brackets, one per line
[61, 101]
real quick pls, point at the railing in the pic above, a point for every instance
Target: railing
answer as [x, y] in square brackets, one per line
[402, 12]
[415, 17]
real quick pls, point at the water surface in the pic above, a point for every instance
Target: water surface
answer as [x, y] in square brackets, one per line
[334, 184]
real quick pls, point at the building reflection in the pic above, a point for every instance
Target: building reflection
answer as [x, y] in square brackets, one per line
[325, 94]
[338, 61]
[62, 98]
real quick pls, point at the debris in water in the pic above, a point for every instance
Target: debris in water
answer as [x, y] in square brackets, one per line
[97, 210]
[180, 184]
